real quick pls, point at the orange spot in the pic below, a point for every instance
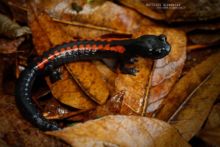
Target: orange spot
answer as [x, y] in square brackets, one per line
[81, 46]
[120, 49]
[94, 46]
[68, 48]
[63, 49]
[109, 39]
[113, 48]
[100, 47]
[97, 39]
[88, 46]
[51, 57]
[40, 65]
[56, 53]
[107, 47]
[45, 60]
[75, 47]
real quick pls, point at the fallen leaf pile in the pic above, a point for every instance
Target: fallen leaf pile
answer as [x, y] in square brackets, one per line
[169, 101]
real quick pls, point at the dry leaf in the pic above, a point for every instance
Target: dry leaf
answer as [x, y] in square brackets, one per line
[141, 7]
[90, 81]
[68, 92]
[15, 131]
[121, 131]
[167, 70]
[188, 10]
[12, 29]
[18, 9]
[108, 75]
[117, 18]
[211, 38]
[211, 132]
[56, 36]
[2, 67]
[186, 85]
[134, 87]
[191, 115]
[10, 46]
[40, 40]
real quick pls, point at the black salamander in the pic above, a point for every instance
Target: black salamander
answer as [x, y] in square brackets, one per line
[148, 46]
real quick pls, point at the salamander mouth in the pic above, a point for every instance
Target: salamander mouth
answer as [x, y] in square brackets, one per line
[162, 52]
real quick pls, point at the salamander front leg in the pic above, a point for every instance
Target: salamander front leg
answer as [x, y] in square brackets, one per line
[128, 70]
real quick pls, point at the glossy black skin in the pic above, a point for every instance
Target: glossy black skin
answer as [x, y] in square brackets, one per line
[148, 46]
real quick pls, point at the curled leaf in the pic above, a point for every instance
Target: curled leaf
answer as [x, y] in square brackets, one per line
[186, 85]
[191, 115]
[119, 130]
[12, 29]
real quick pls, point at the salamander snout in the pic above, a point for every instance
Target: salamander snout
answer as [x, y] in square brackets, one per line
[163, 47]
[154, 47]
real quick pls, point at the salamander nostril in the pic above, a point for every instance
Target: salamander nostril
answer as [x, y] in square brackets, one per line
[163, 37]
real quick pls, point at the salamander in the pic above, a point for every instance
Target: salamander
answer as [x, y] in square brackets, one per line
[147, 46]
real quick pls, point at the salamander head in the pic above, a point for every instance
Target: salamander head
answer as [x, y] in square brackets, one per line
[154, 47]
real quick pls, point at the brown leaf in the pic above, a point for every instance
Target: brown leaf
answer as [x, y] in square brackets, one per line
[2, 67]
[117, 18]
[68, 92]
[190, 116]
[141, 7]
[78, 31]
[207, 38]
[203, 25]
[12, 29]
[163, 76]
[15, 131]
[57, 36]
[214, 117]
[167, 70]
[134, 87]
[90, 81]
[211, 132]
[186, 85]
[10, 46]
[39, 37]
[108, 75]
[121, 131]
[18, 9]
[191, 12]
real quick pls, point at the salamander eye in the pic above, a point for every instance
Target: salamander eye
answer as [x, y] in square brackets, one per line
[163, 37]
